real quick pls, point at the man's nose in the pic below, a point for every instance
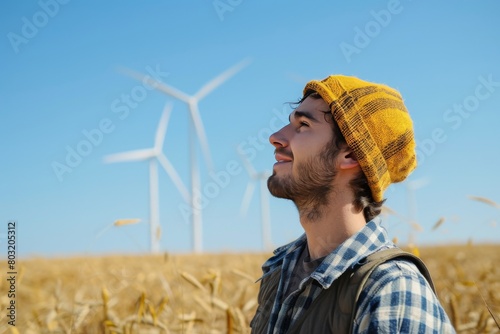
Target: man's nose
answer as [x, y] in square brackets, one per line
[279, 138]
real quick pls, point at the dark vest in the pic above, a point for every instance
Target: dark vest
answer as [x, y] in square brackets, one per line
[334, 309]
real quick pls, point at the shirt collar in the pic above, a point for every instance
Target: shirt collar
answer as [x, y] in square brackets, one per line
[280, 253]
[371, 238]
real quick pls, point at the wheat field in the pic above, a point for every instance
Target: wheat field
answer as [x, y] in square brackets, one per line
[210, 293]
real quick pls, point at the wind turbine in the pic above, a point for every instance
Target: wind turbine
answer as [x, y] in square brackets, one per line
[265, 216]
[195, 129]
[154, 155]
[411, 186]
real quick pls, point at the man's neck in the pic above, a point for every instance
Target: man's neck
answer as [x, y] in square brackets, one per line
[333, 224]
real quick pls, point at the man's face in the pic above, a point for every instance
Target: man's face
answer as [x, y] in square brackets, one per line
[305, 155]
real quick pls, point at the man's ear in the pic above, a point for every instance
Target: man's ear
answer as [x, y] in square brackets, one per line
[347, 159]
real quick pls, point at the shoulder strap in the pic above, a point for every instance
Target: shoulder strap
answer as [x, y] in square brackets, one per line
[337, 304]
[374, 260]
[371, 262]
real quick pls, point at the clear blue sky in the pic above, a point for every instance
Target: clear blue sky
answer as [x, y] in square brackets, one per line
[60, 79]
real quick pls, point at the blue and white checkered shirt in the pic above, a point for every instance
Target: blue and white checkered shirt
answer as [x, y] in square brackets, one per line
[396, 297]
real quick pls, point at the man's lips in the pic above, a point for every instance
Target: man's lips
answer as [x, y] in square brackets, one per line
[280, 157]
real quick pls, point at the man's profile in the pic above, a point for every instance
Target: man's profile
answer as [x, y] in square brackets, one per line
[346, 142]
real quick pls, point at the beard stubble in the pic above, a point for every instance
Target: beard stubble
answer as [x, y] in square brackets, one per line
[310, 188]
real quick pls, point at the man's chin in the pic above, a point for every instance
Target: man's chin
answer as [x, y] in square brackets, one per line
[278, 188]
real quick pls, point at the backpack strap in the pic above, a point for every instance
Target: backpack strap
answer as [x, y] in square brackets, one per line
[337, 304]
[365, 268]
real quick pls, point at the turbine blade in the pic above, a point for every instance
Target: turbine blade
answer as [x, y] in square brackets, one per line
[200, 133]
[136, 155]
[247, 198]
[248, 166]
[217, 81]
[162, 127]
[172, 173]
[158, 85]
[104, 230]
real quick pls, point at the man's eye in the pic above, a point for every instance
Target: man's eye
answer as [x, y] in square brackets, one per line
[304, 124]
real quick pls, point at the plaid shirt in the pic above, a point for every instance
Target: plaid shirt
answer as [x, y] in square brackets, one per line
[396, 297]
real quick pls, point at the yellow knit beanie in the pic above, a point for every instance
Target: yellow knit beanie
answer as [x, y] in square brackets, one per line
[376, 126]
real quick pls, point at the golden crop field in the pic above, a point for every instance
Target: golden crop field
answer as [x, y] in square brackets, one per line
[210, 293]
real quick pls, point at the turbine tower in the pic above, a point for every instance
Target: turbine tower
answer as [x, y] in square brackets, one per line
[265, 216]
[196, 129]
[154, 155]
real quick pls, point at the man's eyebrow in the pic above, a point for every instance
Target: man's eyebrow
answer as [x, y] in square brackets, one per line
[303, 113]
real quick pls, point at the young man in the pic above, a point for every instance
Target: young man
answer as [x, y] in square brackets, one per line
[347, 140]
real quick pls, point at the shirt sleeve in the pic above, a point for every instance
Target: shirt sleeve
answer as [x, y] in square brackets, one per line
[398, 299]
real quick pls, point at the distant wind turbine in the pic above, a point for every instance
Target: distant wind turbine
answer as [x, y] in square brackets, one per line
[264, 200]
[154, 155]
[196, 129]
[411, 186]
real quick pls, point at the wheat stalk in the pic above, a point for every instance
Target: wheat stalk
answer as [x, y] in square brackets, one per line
[229, 321]
[485, 201]
[191, 279]
[243, 274]
[438, 223]
[141, 306]
[105, 300]
[454, 311]
[497, 321]
[121, 222]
